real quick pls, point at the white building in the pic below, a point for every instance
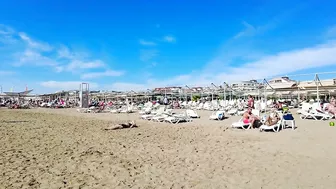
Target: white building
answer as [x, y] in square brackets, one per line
[245, 85]
[281, 83]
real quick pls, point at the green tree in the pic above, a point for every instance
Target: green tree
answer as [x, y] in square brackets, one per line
[195, 97]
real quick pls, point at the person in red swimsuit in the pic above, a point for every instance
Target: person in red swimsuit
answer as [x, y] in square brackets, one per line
[248, 117]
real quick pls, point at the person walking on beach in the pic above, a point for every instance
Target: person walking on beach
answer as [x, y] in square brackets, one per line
[250, 102]
[165, 102]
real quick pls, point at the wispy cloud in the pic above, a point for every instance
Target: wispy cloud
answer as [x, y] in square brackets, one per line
[66, 85]
[248, 30]
[267, 66]
[108, 73]
[331, 32]
[146, 43]
[6, 73]
[169, 39]
[148, 54]
[23, 50]
[6, 35]
[40, 46]
[32, 57]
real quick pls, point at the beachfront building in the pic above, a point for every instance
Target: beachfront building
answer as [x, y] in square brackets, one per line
[281, 83]
[245, 85]
[167, 90]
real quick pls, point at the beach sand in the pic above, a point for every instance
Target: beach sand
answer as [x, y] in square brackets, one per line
[61, 148]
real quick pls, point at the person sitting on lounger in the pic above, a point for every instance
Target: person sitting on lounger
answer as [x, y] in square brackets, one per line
[332, 106]
[272, 120]
[249, 118]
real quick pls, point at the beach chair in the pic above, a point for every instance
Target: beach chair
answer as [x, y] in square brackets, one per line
[115, 111]
[263, 107]
[200, 106]
[218, 115]
[160, 117]
[241, 125]
[154, 113]
[232, 111]
[305, 112]
[192, 113]
[145, 110]
[304, 108]
[274, 128]
[256, 112]
[177, 118]
[319, 113]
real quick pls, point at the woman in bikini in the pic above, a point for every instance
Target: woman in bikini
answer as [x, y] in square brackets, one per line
[272, 120]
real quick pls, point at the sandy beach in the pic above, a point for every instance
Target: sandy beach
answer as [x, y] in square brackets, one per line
[61, 148]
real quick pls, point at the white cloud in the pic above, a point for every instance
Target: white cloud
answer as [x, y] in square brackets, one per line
[66, 85]
[6, 35]
[108, 73]
[169, 39]
[249, 30]
[146, 43]
[76, 65]
[31, 57]
[5, 30]
[264, 67]
[147, 55]
[22, 50]
[34, 44]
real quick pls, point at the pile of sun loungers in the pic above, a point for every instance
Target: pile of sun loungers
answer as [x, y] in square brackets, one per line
[166, 115]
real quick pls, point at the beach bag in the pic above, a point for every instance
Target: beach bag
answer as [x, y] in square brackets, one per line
[257, 124]
[288, 117]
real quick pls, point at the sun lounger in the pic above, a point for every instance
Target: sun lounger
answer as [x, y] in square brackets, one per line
[192, 113]
[241, 125]
[177, 118]
[159, 118]
[275, 127]
[218, 115]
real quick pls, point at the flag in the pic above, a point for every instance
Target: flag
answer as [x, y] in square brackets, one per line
[11, 89]
[26, 88]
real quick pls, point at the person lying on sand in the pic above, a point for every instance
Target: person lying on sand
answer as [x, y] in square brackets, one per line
[272, 120]
[122, 126]
[248, 117]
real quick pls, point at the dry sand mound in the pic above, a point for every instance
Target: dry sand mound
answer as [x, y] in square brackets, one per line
[40, 150]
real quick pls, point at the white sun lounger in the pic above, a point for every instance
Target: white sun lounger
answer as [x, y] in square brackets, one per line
[241, 125]
[275, 127]
[192, 113]
[218, 115]
[177, 118]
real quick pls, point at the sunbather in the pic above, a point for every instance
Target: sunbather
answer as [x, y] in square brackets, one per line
[272, 120]
[332, 106]
[248, 117]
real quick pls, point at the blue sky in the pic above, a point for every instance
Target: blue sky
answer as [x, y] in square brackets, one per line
[125, 45]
